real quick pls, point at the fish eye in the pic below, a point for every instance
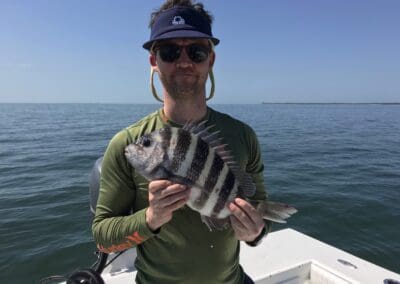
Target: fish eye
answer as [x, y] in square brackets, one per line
[146, 142]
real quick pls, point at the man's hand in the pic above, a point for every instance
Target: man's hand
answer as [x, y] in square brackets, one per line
[246, 221]
[164, 198]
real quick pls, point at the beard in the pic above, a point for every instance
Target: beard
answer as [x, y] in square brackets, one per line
[181, 86]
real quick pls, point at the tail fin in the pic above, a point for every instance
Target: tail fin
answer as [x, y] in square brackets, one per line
[275, 211]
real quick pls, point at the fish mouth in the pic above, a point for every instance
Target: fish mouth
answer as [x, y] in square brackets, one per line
[128, 151]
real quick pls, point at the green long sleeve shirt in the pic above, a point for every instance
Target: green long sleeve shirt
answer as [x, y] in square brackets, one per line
[183, 250]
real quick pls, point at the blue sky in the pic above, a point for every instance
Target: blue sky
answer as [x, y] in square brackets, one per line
[274, 51]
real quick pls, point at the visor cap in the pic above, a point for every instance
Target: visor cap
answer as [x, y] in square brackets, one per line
[180, 22]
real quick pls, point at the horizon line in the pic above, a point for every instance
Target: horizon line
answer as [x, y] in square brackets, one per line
[286, 103]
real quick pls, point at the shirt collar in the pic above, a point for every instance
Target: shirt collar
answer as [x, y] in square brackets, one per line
[166, 120]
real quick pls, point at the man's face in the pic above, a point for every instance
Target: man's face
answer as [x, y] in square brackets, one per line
[183, 77]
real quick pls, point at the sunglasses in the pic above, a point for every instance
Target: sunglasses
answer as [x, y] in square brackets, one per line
[171, 52]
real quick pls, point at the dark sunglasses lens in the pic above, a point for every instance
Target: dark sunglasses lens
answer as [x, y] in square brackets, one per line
[169, 52]
[198, 53]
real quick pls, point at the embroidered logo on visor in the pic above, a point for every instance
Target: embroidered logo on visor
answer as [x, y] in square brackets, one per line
[178, 20]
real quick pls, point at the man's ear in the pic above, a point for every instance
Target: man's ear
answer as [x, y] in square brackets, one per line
[212, 59]
[152, 59]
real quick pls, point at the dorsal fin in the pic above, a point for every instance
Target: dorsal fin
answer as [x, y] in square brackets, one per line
[194, 128]
[245, 182]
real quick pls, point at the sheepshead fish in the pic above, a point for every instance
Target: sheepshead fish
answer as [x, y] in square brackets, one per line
[193, 156]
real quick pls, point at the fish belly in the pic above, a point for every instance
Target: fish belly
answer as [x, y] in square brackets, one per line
[206, 208]
[209, 205]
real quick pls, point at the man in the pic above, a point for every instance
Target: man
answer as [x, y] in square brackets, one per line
[173, 245]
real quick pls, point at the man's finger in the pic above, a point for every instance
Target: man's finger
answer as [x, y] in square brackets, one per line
[237, 226]
[157, 185]
[241, 215]
[178, 204]
[173, 189]
[182, 195]
[250, 211]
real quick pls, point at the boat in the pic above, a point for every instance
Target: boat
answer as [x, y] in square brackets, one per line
[286, 257]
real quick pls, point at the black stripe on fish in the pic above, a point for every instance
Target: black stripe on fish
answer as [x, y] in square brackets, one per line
[211, 181]
[165, 134]
[199, 160]
[182, 146]
[224, 193]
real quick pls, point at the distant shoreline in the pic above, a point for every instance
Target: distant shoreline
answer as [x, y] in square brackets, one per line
[267, 103]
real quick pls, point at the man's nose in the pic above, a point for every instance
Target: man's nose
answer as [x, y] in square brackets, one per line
[184, 59]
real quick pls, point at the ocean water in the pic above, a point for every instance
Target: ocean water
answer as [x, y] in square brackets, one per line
[339, 164]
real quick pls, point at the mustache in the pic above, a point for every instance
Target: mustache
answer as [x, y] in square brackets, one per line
[186, 72]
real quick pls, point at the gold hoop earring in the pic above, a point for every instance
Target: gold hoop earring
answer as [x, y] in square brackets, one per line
[211, 75]
[153, 89]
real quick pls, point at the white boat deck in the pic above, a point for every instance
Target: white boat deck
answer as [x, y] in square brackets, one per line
[285, 257]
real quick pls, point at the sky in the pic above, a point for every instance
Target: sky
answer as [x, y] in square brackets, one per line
[279, 51]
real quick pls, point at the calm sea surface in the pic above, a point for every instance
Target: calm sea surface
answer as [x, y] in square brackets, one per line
[338, 164]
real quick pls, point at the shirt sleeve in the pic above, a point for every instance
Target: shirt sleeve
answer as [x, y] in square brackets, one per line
[113, 228]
